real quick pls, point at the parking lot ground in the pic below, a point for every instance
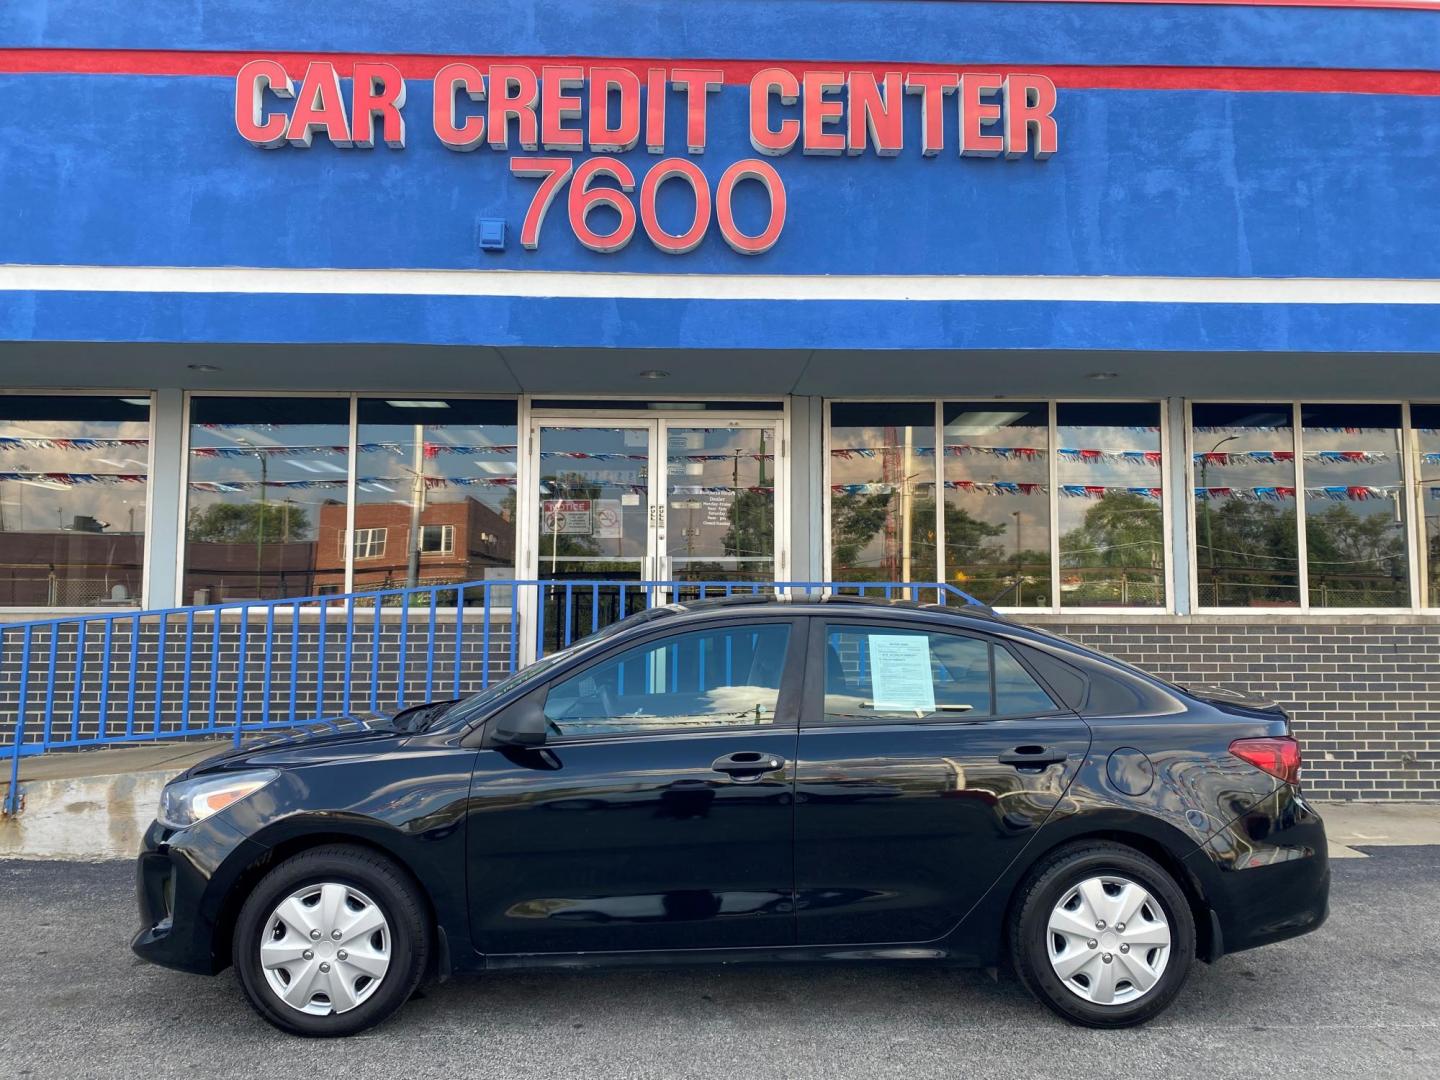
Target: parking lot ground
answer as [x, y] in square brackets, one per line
[1358, 998]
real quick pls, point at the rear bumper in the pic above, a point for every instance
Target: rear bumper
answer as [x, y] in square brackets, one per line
[1266, 877]
[181, 881]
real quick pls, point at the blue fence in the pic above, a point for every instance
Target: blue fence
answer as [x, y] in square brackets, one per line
[241, 667]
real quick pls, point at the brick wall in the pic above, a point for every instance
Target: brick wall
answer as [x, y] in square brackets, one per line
[1364, 695]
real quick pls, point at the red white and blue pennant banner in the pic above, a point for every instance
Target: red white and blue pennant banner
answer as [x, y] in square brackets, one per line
[431, 483]
[1008, 453]
[1095, 491]
[72, 479]
[1272, 457]
[1260, 494]
[14, 442]
[399, 449]
[1335, 493]
[1002, 487]
[1099, 455]
[996, 487]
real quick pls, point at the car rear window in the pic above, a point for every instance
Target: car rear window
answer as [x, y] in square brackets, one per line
[1069, 685]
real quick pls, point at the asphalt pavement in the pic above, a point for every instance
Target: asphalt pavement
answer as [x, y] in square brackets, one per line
[1358, 998]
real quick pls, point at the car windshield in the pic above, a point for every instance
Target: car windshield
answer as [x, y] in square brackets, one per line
[469, 708]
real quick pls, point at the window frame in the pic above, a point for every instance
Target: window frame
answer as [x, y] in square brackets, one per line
[1424, 597]
[383, 530]
[147, 554]
[812, 717]
[1167, 496]
[447, 539]
[788, 701]
[1411, 498]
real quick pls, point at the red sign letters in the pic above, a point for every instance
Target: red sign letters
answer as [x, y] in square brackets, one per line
[607, 109]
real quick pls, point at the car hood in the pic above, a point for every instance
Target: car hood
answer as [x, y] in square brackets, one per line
[306, 742]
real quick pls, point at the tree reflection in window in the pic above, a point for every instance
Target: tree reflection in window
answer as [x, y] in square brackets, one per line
[1354, 506]
[997, 504]
[1246, 537]
[1109, 471]
[882, 492]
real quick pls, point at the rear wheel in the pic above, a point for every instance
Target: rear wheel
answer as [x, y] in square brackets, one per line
[1102, 935]
[331, 942]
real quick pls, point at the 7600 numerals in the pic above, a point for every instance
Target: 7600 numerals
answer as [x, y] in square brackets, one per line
[555, 172]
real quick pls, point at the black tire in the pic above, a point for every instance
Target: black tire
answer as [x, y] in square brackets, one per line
[1047, 884]
[391, 890]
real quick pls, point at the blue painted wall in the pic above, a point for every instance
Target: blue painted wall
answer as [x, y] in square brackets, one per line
[916, 30]
[733, 324]
[148, 170]
[1170, 183]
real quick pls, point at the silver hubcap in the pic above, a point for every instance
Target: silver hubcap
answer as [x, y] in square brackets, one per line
[1109, 940]
[325, 949]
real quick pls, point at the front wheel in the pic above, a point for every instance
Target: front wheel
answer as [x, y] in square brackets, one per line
[331, 942]
[1102, 935]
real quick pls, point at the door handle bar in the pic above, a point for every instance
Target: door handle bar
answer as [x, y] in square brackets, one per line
[748, 763]
[1032, 757]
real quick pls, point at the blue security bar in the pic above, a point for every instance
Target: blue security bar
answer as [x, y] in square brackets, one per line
[244, 667]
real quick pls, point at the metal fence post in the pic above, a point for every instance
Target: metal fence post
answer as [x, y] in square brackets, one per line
[12, 797]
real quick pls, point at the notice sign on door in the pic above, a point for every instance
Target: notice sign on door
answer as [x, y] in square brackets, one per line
[609, 521]
[900, 676]
[566, 517]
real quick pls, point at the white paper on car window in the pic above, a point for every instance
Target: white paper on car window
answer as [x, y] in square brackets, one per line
[900, 676]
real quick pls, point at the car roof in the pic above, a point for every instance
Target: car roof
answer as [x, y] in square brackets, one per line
[827, 604]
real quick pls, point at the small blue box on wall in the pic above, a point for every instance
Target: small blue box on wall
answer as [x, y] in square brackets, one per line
[492, 234]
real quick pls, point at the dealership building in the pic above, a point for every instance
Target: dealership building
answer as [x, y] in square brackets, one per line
[1121, 317]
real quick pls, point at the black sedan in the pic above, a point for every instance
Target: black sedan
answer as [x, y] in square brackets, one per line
[751, 780]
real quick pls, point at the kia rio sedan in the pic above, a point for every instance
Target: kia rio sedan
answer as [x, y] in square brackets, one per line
[751, 780]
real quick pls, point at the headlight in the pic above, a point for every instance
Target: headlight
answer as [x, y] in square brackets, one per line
[186, 802]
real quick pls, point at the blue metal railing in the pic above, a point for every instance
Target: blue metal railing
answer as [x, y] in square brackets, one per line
[235, 668]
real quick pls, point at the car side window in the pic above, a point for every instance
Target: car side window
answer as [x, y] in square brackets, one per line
[882, 672]
[727, 676]
[1016, 691]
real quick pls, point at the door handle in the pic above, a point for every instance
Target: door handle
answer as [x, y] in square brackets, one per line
[746, 766]
[1032, 757]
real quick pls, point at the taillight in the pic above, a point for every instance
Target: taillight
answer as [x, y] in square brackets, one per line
[1279, 756]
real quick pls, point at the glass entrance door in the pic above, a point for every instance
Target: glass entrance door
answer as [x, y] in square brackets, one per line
[719, 502]
[595, 506]
[615, 503]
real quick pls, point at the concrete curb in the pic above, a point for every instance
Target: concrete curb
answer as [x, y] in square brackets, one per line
[83, 818]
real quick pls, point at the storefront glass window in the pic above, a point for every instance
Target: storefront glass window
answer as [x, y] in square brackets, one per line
[448, 466]
[1425, 421]
[1111, 521]
[1246, 536]
[882, 491]
[73, 478]
[1355, 506]
[265, 474]
[997, 501]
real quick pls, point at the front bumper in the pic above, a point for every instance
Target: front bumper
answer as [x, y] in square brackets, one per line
[1266, 877]
[182, 881]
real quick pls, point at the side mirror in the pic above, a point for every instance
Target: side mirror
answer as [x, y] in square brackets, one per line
[521, 724]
